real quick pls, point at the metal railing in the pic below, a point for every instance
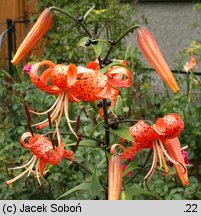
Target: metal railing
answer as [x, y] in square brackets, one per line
[10, 31]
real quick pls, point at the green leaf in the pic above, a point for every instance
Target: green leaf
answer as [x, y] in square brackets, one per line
[131, 166]
[95, 186]
[85, 142]
[88, 12]
[82, 42]
[136, 191]
[123, 132]
[94, 128]
[98, 49]
[114, 63]
[80, 187]
[126, 195]
[118, 106]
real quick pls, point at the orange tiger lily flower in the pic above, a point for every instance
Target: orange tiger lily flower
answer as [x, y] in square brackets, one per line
[43, 153]
[93, 85]
[72, 84]
[42, 25]
[61, 77]
[116, 76]
[191, 64]
[162, 137]
[151, 50]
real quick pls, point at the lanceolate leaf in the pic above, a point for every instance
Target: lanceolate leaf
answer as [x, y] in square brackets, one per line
[85, 142]
[119, 106]
[136, 190]
[98, 49]
[114, 63]
[131, 166]
[82, 42]
[88, 12]
[80, 187]
[123, 132]
[95, 186]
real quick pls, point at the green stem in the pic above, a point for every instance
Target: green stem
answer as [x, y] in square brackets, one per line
[119, 39]
[8, 75]
[190, 86]
[83, 167]
[95, 127]
[187, 83]
[143, 167]
[107, 133]
[73, 18]
[66, 133]
[129, 121]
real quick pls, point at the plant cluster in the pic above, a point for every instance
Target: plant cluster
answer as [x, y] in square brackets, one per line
[106, 146]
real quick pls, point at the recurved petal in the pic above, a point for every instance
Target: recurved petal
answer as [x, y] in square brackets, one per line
[170, 126]
[63, 76]
[41, 81]
[173, 148]
[144, 134]
[119, 76]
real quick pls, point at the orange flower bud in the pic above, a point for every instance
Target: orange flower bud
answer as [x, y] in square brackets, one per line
[151, 50]
[42, 25]
[115, 173]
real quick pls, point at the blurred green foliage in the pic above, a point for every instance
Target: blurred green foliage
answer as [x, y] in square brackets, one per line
[108, 20]
[147, 99]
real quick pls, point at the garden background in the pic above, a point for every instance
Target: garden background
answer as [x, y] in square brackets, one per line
[176, 28]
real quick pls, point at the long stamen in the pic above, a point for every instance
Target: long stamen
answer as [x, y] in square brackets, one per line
[153, 166]
[184, 148]
[31, 166]
[23, 166]
[37, 174]
[20, 175]
[66, 114]
[50, 109]
[53, 115]
[17, 177]
[164, 161]
[61, 112]
[159, 154]
[167, 155]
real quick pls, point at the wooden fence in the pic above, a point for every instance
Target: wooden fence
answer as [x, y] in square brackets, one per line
[19, 12]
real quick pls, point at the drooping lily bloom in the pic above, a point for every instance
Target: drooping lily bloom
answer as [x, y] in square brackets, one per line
[93, 86]
[60, 77]
[151, 50]
[116, 76]
[73, 84]
[191, 64]
[42, 25]
[43, 152]
[162, 137]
